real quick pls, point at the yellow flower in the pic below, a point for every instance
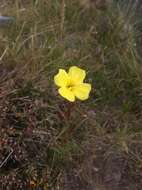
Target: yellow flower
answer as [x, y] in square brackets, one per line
[71, 84]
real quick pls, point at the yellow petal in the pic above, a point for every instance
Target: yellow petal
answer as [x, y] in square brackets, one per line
[67, 94]
[82, 91]
[76, 74]
[62, 78]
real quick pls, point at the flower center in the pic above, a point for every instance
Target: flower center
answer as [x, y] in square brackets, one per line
[70, 85]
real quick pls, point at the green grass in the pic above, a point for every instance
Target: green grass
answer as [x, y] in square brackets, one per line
[102, 137]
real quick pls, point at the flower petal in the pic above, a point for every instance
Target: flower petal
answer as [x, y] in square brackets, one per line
[62, 78]
[76, 74]
[82, 91]
[67, 94]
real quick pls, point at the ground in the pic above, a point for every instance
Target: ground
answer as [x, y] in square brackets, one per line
[46, 142]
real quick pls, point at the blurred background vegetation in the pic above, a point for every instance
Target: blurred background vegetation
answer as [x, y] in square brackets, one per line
[99, 147]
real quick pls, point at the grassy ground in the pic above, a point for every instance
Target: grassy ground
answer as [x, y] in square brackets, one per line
[99, 146]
